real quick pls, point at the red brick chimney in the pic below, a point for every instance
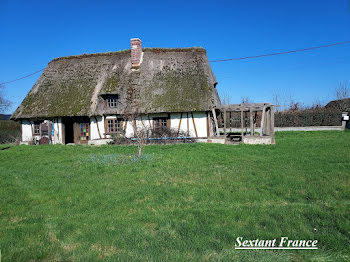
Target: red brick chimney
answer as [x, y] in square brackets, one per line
[136, 52]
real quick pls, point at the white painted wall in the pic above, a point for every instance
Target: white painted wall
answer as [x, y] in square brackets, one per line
[93, 127]
[28, 128]
[200, 120]
[57, 137]
[27, 134]
[146, 121]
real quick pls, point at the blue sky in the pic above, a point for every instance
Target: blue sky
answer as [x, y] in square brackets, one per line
[34, 32]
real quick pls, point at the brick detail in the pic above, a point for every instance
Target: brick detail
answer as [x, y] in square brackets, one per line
[136, 51]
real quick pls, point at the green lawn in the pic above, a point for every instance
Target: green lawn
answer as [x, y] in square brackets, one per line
[179, 202]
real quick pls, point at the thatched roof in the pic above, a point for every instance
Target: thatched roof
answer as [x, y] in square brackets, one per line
[169, 80]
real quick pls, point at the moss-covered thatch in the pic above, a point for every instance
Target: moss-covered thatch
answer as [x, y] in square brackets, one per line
[169, 80]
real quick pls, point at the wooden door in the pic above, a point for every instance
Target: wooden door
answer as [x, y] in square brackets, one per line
[81, 133]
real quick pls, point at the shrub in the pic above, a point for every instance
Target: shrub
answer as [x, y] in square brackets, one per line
[308, 117]
[10, 132]
[162, 135]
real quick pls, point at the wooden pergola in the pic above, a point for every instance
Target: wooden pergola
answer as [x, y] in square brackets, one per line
[246, 109]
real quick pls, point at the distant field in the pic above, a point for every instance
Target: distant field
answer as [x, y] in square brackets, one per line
[179, 202]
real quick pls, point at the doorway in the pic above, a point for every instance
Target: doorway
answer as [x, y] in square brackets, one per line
[76, 130]
[81, 132]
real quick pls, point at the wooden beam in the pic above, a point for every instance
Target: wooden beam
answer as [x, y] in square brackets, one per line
[272, 125]
[63, 132]
[188, 125]
[58, 130]
[225, 122]
[21, 130]
[169, 121]
[194, 125]
[242, 123]
[178, 131]
[262, 125]
[251, 122]
[32, 128]
[255, 117]
[208, 119]
[105, 125]
[216, 122]
[143, 124]
[246, 107]
[134, 125]
[149, 121]
[268, 121]
[125, 124]
[98, 129]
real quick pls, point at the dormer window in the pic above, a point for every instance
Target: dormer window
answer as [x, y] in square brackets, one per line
[111, 101]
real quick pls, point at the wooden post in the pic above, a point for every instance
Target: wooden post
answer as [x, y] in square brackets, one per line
[105, 125]
[143, 124]
[178, 131]
[149, 121]
[58, 130]
[188, 125]
[230, 121]
[194, 125]
[225, 123]
[242, 122]
[125, 125]
[32, 129]
[262, 125]
[21, 141]
[98, 129]
[63, 132]
[251, 121]
[208, 121]
[267, 129]
[272, 125]
[216, 122]
[255, 117]
[169, 121]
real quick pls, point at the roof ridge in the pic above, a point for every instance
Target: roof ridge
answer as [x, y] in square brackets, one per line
[145, 49]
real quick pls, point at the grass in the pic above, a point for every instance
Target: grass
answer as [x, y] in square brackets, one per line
[178, 203]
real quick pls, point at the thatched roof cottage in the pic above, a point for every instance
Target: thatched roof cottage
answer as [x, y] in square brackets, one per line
[84, 98]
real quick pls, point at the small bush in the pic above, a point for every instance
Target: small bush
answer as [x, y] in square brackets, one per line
[162, 135]
[308, 117]
[10, 132]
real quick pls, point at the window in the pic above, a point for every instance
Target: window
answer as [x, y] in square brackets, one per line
[160, 122]
[111, 101]
[84, 131]
[114, 125]
[36, 128]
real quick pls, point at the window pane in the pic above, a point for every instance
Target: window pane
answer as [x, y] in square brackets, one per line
[112, 101]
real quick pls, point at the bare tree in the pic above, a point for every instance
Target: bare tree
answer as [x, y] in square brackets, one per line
[141, 132]
[245, 100]
[4, 103]
[342, 95]
[131, 114]
[276, 100]
[342, 91]
[295, 106]
[226, 98]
